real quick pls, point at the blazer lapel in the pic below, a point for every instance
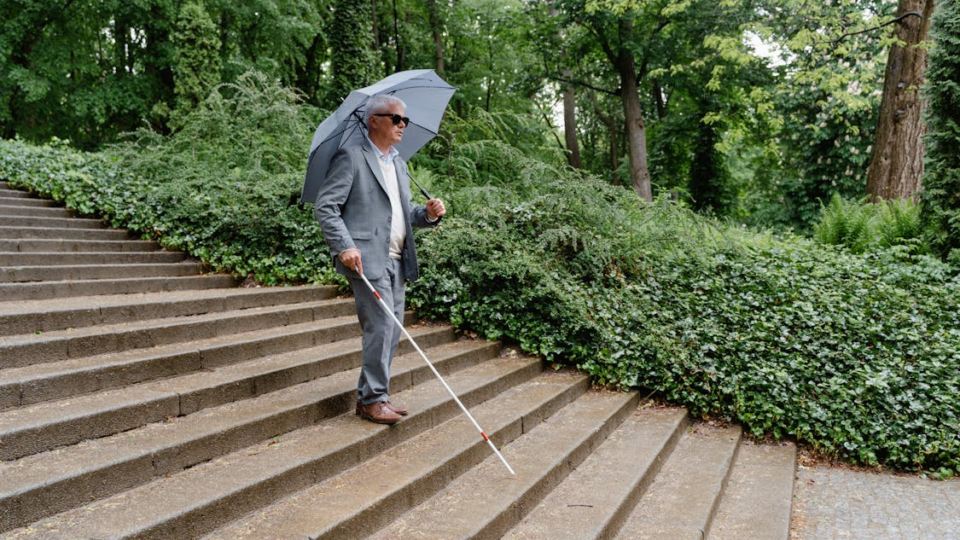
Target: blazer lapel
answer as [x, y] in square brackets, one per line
[374, 166]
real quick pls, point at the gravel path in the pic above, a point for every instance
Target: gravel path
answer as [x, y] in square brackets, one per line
[838, 504]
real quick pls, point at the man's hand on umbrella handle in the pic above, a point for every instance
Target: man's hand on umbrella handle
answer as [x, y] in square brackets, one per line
[350, 258]
[435, 209]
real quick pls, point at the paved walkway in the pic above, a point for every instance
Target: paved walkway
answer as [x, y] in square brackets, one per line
[838, 504]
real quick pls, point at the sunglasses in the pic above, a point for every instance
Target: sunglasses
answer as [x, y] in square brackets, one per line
[396, 118]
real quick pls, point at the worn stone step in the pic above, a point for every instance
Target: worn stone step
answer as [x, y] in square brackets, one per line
[487, 501]
[30, 274]
[682, 501]
[61, 233]
[758, 499]
[28, 317]
[95, 287]
[594, 500]
[401, 477]
[45, 484]
[26, 200]
[40, 427]
[28, 349]
[198, 499]
[59, 380]
[74, 259]
[76, 246]
[11, 208]
[52, 222]
[13, 193]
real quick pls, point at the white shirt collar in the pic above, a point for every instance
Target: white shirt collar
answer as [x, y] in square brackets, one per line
[385, 159]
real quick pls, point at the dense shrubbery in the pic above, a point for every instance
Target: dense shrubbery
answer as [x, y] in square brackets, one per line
[863, 226]
[857, 354]
[224, 188]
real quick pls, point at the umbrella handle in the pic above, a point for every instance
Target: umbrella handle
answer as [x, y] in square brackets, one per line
[425, 194]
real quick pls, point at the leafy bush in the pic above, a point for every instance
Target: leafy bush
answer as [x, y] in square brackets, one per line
[224, 188]
[941, 174]
[856, 355]
[863, 226]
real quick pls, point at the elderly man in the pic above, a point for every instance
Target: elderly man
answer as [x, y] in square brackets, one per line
[365, 212]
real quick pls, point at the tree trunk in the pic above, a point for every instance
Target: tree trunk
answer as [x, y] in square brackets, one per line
[658, 97]
[633, 113]
[897, 161]
[436, 25]
[396, 34]
[570, 122]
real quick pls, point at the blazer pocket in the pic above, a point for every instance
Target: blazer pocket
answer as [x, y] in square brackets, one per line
[362, 235]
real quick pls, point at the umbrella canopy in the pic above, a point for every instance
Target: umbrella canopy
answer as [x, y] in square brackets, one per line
[426, 96]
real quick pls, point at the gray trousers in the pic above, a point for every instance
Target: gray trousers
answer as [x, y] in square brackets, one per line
[380, 333]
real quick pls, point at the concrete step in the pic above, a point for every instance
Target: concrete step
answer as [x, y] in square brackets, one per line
[5, 193]
[596, 498]
[40, 427]
[59, 380]
[55, 481]
[61, 233]
[757, 501]
[28, 202]
[26, 274]
[487, 501]
[30, 274]
[29, 349]
[15, 207]
[58, 223]
[29, 317]
[74, 259]
[403, 476]
[682, 501]
[94, 287]
[202, 497]
[129, 245]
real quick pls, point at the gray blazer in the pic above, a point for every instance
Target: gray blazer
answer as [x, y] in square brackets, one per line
[353, 209]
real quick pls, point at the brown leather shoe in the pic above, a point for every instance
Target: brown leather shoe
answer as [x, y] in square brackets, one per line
[397, 408]
[379, 412]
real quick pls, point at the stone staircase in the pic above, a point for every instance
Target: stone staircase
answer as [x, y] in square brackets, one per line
[142, 399]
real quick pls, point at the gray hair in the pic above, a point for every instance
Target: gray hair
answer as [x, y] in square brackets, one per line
[380, 103]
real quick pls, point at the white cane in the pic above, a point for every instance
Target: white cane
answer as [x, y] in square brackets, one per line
[435, 372]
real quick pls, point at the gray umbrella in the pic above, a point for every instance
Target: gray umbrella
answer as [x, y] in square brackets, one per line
[426, 96]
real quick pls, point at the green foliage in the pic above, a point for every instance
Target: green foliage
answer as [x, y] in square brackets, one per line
[856, 355]
[197, 61]
[941, 179]
[223, 188]
[352, 56]
[862, 226]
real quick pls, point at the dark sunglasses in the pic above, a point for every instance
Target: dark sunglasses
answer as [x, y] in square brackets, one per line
[396, 119]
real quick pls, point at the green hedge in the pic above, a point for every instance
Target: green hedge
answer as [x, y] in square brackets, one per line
[224, 188]
[858, 355]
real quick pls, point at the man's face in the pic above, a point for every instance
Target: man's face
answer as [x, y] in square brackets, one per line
[383, 129]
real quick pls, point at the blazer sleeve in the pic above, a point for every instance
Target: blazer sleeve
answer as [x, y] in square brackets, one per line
[331, 198]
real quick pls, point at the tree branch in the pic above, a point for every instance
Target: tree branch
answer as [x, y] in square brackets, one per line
[898, 19]
[583, 84]
[643, 65]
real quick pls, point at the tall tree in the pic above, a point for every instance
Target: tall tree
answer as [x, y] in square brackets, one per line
[197, 60]
[436, 28]
[896, 165]
[352, 59]
[624, 44]
[941, 177]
